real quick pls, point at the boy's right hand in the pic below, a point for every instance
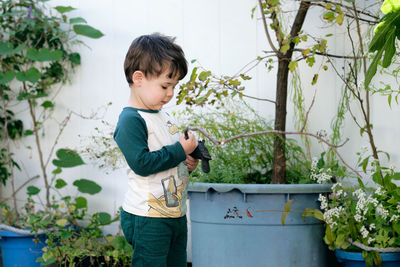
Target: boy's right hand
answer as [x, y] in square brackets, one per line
[189, 145]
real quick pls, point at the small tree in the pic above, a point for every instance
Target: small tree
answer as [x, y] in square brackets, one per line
[206, 88]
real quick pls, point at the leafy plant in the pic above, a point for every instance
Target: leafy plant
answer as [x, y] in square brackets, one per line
[64, 210]
[361, 218]
[247, 160]
[87, 246]
[36, 56]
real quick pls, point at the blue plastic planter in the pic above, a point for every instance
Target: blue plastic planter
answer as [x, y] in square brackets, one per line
[21, 250]
[355, 259]
[261, 240]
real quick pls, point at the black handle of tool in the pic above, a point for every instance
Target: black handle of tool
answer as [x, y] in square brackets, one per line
[186, 133]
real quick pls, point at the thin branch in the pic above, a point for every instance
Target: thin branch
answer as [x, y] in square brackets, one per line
[266, 28]
[308, 111]
[220, 143]
[19, 188]
[62, 127]
[328, 54]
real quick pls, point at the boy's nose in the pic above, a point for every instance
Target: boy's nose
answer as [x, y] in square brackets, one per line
[170, 91]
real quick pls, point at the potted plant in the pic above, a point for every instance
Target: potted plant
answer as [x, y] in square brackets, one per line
[87, 246]
[362, 219]
[225, 203]
[37, 58]
[205, 88]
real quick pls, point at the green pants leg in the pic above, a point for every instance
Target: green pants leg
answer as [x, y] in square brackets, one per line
[157, 242]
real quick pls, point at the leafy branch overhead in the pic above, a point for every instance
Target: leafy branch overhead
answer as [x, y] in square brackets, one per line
[383, 44]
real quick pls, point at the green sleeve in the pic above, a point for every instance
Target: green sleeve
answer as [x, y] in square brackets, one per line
[131, 136]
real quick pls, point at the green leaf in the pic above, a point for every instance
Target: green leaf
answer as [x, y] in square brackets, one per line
[19, 48]
[67, 158]
[87, 186]
[315, 79]
[87, 31]
[57, 171]
[47, 104]
[44, 54]
[77, 20]
[60, 183]
[329, 16]
[28, 132]
[285, 48]
[396, 176]
[372, 68]
[204, 75]
[32, 190]
[6, 77]
[390, 6]
[64, 9]
[61, 222]
[75, 58]
[6, 49]
[103, 218]
[80, 202]
[377, 178]
[193, 76]
[293, 65]
[329, 239]
[32, 75]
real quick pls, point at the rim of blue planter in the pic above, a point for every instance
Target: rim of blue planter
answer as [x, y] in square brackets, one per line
[7, 233]
[357, 256]
[262, 188]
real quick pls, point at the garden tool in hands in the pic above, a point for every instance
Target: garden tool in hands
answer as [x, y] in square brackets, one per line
[201, 153]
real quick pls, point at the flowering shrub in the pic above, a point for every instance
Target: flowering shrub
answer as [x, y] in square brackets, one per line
[363, 218]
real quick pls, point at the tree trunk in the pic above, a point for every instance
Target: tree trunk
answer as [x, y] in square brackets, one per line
[279, 167]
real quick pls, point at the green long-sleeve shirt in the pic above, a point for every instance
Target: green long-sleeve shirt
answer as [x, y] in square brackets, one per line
[157, 176]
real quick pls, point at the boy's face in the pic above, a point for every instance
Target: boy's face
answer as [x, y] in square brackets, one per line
[154, 92]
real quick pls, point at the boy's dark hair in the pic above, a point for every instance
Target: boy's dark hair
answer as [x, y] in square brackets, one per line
[152, 54]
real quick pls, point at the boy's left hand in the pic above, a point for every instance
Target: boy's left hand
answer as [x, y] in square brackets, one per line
[191, 163]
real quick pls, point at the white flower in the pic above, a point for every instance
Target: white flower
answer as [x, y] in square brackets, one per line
[359, 193]
[394, 218]
[330, 214]
[321, 177]
[398, 207]
[372, 201]
[391, 168]
[324, 202]
[381, 211]
[314, 164]
[371, 226]
[370, 240]
[334, 189]
[362, 207]
[364, 232]
[359, 218]
[379, 191]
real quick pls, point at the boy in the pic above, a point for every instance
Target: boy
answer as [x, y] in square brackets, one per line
[153, 214]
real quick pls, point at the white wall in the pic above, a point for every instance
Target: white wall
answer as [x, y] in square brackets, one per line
[221, 35]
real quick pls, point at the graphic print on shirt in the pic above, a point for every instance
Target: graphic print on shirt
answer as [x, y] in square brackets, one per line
[173, 202]
[173, 129]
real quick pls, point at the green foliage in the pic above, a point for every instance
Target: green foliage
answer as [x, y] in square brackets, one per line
[245, 160]
[384, 40]
[370, 216]
[63, 210]
[68, 246]
[35, 55]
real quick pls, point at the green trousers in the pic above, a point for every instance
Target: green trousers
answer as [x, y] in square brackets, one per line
[157, 242]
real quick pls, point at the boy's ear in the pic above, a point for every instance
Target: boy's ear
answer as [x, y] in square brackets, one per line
[137, 77]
